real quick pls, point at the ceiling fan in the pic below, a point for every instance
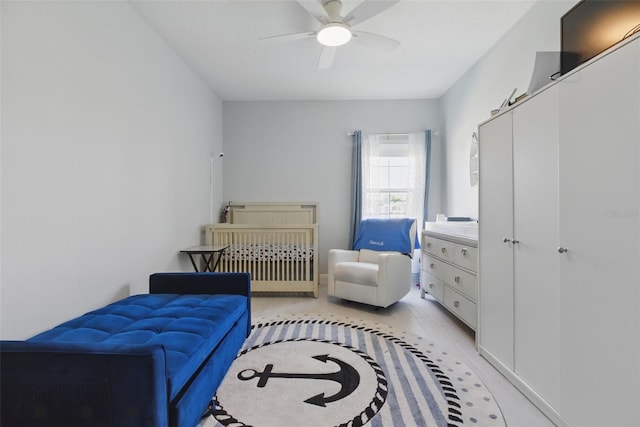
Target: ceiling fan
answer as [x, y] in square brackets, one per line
[336, 30]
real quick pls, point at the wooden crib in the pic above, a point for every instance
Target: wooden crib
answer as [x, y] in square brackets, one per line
[274, 242]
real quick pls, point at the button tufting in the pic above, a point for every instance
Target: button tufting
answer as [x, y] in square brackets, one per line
[187, 326]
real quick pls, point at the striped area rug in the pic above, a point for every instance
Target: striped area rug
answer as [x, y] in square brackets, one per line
[311, 371]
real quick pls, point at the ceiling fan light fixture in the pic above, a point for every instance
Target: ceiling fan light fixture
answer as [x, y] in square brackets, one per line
[334, 34]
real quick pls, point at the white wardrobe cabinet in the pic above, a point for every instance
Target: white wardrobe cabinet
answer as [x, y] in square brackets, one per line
[518, 234]
[599, 157]
[559, 243]
[495, 250]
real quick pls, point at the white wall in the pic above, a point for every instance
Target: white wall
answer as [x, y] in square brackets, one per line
[106, 136]
[291, 150]
[508, 65]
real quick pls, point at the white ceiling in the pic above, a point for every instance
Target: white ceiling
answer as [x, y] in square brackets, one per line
[440, 40]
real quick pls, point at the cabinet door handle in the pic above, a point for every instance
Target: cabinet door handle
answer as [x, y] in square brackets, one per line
[432, 265]
[562, 250]
[456, 304]
[428, 244]
[456, 279]
[443, 250]
[431, 285]
[463, 251]
[508, 240]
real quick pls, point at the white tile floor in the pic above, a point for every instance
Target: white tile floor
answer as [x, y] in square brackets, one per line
[428, 319]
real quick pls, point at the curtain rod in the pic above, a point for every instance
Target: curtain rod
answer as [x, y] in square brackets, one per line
[387, 134]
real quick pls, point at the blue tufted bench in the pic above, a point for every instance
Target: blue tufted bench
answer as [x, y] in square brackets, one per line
[147, 360]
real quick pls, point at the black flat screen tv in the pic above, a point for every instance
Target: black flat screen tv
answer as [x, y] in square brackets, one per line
[592, 26]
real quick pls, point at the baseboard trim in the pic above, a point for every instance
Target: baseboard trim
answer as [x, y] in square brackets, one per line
[524, 388]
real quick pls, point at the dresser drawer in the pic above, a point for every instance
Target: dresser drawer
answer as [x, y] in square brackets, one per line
[436, 268]
[465, 256]
[463, 282]
[438, 247]
[461, 306]
[433, 285]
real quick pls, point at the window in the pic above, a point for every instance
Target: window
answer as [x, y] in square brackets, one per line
[393, 176]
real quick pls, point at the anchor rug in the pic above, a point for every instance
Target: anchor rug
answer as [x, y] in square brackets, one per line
[310, 371]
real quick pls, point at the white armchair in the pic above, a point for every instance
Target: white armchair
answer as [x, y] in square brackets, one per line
[374, 277]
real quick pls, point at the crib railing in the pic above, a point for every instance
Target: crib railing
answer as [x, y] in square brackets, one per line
[280, 258]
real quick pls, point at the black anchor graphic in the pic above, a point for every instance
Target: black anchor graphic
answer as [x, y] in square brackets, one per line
[347, 377]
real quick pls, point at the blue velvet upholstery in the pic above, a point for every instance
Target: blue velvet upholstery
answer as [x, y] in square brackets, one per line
[147, 360]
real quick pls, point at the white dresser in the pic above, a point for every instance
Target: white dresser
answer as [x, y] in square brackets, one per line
[449, 267]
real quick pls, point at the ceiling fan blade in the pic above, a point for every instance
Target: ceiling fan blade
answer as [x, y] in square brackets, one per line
[375, 41]
[315, 9]
[326, 57]
[367, 9]
[287, 37]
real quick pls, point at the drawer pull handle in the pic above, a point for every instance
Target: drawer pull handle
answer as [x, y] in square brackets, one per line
[428, 244]
[562, 250]
[443, 250]
[432, 265]
[463, 251]
[456, 304]
[456, 279]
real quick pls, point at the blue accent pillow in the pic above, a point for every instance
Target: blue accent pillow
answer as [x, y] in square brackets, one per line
[385, 234]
